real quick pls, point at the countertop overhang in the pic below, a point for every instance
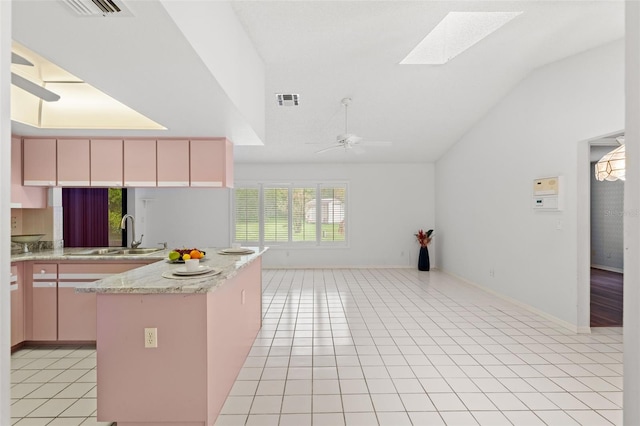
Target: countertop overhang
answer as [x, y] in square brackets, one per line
[149, 279]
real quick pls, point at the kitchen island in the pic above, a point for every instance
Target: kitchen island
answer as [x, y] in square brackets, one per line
[205, 326]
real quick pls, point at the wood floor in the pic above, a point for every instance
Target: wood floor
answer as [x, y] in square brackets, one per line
[606, 298]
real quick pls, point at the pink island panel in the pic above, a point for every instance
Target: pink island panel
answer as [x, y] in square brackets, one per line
[203, 340]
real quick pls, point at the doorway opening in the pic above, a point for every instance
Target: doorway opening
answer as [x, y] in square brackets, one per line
[607, 246]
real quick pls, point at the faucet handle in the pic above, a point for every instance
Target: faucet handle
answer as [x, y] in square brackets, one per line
[164, 244]
[136, 244]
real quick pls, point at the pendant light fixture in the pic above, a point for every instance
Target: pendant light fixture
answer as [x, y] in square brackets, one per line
[612, 165]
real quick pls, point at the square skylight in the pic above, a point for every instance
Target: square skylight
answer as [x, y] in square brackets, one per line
[457, 32]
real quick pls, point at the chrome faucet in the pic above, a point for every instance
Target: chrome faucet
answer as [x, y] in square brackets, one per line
[123, 225]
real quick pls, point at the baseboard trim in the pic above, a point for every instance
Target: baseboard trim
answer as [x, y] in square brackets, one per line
[565, 324]
[344, 267]
[608, 268]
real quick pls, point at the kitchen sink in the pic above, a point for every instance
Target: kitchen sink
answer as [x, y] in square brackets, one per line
[97, 252]
[139, 251]
[115, 251]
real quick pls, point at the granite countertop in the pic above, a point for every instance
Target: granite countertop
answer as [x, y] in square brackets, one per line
[72, 254]
[149, 279]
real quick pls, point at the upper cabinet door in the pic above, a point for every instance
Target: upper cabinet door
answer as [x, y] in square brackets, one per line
[39, 158]
[73, 162]
[21, 196]
[212, 163]
[106, 162]
[140, 163]
[173, 162]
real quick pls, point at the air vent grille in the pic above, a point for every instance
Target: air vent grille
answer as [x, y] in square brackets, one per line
[98, 7]
[288, 99]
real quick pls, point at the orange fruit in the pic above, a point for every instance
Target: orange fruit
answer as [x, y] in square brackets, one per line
[195, 254]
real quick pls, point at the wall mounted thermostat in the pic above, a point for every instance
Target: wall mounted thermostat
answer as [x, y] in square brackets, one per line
[547, 195]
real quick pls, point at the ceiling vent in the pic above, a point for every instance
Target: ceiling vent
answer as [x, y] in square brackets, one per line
[288, 99]
[91, 8]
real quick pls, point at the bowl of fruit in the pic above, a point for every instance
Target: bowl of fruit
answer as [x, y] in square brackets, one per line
[180, 255]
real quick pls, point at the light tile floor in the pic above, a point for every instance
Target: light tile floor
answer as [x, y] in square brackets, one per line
[402, 347]
[54, 386]
[376, 347]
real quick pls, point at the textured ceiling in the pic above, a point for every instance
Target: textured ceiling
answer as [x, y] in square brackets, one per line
[324, 51]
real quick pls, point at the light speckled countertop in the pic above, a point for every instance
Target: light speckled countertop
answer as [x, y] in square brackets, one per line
[148, 279]
[71, 254]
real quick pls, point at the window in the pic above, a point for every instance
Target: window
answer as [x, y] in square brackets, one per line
[271, 214]
[91, 216]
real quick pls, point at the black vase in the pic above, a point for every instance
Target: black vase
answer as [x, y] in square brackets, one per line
[423, 259]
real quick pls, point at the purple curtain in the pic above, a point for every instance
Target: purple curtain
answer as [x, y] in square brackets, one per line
[85, 217]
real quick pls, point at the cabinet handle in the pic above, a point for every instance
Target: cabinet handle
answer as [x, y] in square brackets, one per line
[42, 271]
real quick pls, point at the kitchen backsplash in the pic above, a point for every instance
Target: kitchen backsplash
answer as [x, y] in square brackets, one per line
[37, 246]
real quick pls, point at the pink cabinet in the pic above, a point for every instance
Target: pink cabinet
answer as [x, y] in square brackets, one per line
[140, 162]
[212, 163]
[39, 162]
[44, 302]
[23, 196]
[73, 162]
[17, 304]
[106, 162]
[77, 311]
[173, 162]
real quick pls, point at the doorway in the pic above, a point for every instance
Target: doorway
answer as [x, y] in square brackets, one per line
[607, 247]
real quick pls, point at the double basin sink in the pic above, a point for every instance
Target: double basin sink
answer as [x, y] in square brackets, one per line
[115, 251]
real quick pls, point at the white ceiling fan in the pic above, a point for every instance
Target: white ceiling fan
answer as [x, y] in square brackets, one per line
[349, 141]
[29, 86]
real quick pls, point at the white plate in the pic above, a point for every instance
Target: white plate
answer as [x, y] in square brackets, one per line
[240, 250]
[202, 269]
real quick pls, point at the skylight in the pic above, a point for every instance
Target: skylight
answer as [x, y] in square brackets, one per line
[457, 32]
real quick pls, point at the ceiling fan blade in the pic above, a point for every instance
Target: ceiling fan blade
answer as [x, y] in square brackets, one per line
[376, 143]
[353, 139]
[34, 89]
[336, 146]
[19, 60]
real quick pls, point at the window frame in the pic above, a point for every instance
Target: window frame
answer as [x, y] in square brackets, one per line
[290, 243]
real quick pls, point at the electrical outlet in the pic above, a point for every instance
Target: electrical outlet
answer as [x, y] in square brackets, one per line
[151, 337]
[14, 222]
[492, 272]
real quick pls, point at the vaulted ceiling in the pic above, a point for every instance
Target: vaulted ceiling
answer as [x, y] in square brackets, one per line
[322, 50]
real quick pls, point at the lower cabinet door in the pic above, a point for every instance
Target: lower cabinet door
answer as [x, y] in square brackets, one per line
[76, 312]
[45, 310]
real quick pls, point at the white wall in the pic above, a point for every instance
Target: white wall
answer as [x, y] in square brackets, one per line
[484, 183]
[387, 204]
[182, 217]
[5, 201]
[215, 33]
